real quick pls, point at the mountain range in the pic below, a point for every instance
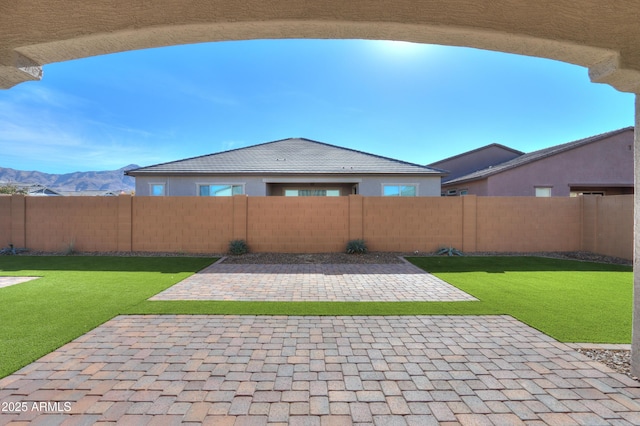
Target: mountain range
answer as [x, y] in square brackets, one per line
[110, 180]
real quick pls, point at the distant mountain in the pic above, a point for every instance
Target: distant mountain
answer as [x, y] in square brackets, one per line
[111, 180]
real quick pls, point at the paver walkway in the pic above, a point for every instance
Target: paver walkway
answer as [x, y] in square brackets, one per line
[8, 281]
[314, 282]
[248, 370]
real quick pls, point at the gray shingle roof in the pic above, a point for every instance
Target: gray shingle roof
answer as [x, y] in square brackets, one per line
[533, 156]
[473, 151]
[288, 156]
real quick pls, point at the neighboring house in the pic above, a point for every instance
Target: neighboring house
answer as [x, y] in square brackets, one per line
[92, 193]
[601, 164]
[288, 167]
[477, 159]
[32, 189]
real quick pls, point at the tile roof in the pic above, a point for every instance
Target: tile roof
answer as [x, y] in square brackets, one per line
[473, 151]
[533, 156]
[288, 156]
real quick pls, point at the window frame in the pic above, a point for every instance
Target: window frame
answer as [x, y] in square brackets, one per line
[543, 187]
[284, 192]
[399, 186]
[157, 184]
[199, 185]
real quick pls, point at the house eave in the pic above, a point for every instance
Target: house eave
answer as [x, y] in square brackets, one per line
[284, 173]
[463, 181]
[603, 184]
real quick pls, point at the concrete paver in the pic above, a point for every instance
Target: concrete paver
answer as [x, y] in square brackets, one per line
[8, 281]
[314, 282]
[267, 370]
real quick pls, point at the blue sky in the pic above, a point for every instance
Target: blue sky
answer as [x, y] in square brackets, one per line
[417, 103]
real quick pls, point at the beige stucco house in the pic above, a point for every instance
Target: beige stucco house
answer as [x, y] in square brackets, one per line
[288, 167]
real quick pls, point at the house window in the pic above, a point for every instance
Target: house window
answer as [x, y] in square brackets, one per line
[220, 190]
[463, 192]
[578, 193]
[543, 191]
[399, 190]
[312, 192]
[157, 189]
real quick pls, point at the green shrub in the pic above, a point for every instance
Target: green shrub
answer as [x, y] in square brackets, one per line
[356, 247]
[449, 251]
[238, 247]
[70, 249]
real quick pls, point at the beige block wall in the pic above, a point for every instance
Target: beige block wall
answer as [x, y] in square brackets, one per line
[182, 224]
[81, 223]
[307, 224]
[410, 224]
[297, 224]
[528, 224]
[590, 222]
[5, 221]
[608, 225]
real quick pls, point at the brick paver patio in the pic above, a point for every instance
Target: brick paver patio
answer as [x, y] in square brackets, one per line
[314, 282]
[251, 370]
[265, 370]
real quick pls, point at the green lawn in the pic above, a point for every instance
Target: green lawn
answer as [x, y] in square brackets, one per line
[74, 295]
[569, 300]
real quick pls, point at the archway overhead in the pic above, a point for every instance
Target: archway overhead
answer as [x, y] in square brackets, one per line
[602, 36]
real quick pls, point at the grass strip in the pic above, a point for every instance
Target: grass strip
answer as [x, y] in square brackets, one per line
[310, 308]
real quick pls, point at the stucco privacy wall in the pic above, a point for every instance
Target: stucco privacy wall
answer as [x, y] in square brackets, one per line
[528, 224]
[606, 225]
[409, 224]
[5, 218]
[297, 224]
[60, 224]
[182, 224]
[277, 224]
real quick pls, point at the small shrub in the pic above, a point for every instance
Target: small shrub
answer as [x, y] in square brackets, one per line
[11, 189]
[356, 247]
[70, 249]
[449, 251]
[238, 247]
[10, 250]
